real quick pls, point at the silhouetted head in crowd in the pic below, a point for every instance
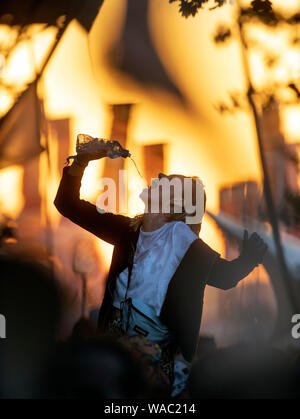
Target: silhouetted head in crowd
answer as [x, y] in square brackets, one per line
[83, 330]
[30, 303]
[29, 299]
[242, 371]
[99, 368]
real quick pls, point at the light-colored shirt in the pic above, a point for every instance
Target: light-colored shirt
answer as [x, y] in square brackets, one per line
[157, 256]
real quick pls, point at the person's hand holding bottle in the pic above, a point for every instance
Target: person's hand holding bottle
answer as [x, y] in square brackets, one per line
[93, 149]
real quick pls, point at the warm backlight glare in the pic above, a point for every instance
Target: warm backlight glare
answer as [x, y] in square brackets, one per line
[11, 195]
[24, 60]
[291, 123]
[19, 68]
[287, 7]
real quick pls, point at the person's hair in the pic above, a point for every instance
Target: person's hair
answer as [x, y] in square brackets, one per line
[179, 216]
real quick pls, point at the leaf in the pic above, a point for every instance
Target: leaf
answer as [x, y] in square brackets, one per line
[223, 34]
[261, 6]
[188, 8]
[219, 3]
[295, 89]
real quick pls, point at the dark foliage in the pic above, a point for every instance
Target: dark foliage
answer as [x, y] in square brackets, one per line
[261, 10]
[222, 35]
[236, 101]
[261, 6]
[190, 7]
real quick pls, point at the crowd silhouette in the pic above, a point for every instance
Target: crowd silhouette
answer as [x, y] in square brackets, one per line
[34, 363]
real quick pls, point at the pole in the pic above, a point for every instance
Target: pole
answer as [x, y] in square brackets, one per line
[285, 274]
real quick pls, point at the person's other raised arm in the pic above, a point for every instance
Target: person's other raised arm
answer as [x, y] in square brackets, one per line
[226, 274]
[107, 226]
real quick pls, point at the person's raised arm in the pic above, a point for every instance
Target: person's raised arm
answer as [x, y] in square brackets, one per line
[106, 226]
[226, 274]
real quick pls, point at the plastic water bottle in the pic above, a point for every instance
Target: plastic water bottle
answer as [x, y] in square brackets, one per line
[86, 144]
[89, 145]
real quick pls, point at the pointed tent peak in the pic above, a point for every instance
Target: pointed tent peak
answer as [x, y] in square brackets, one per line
[134, 53]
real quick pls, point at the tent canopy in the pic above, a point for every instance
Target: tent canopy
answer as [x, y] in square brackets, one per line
[14, 12]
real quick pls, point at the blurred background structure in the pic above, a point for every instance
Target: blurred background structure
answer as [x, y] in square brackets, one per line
[137, 71]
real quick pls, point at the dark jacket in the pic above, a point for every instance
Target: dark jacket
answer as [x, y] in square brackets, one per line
[201, 265]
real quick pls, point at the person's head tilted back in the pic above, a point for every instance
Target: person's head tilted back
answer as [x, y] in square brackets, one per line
[178, 197]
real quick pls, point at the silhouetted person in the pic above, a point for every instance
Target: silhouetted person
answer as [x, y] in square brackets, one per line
[83, 330]
[30, 302]
[97, 368]
[242, 372]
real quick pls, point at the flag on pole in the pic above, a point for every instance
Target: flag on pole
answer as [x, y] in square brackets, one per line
[20, 130]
